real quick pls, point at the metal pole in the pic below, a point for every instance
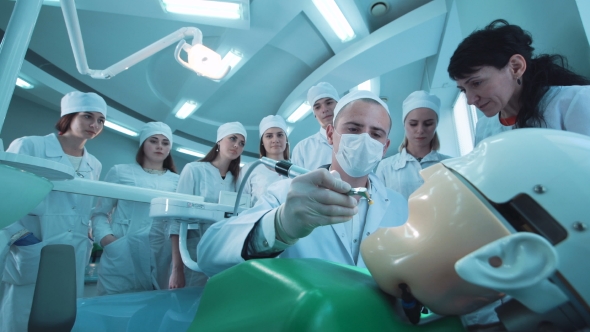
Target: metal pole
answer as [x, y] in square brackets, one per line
[13, 48]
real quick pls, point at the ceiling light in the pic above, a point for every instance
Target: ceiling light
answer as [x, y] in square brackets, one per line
[24, 84]
[366, 85]
[190, 152]
[202, 60]
[119, 128]
[299, 113]
[242, 164]
[218, 9]
[232, 58]
[332, 14]
[186, 109]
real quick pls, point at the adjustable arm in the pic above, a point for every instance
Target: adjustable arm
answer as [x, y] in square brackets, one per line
[73, 26]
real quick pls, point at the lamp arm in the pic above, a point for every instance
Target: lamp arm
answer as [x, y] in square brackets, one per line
[73, 26]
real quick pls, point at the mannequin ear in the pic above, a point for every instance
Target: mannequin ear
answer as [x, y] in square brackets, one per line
[518, 265]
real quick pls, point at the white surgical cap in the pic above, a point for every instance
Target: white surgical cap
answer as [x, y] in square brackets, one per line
[319, 91]
[76, 102]
[230, 128]
[419, 99]
[356, 95]
[154, 128]
[272, 121]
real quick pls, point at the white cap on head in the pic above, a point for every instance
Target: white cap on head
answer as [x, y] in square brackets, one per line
[356, 95]
[230, 128]
[319, 91]
[155, 128]
[272, 121]
[76, 102]
[419, 99]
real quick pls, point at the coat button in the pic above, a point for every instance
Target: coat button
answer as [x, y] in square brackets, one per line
[354, 240]
[368, 233]
[265, 243]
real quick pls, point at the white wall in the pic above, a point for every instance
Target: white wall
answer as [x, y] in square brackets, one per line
[26, 118]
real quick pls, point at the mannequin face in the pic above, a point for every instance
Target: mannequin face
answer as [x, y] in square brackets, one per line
[86, 125]
[274, 141]
[231, 146]
[446, 222]
[420, 126]
[156, 148]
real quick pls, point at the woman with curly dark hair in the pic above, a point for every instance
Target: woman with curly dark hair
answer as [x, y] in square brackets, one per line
[496, 69]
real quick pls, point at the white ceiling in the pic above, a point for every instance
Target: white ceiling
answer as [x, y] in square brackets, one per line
[287, 47]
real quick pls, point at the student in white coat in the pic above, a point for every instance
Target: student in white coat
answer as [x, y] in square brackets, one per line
[137, 254]
[311, 216]
[315, 151]
[62, 218]
[419, 149]
[496, 69]
[274, 144]
[218, 170]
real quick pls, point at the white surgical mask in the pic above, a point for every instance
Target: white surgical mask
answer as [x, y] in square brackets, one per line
[358, 154]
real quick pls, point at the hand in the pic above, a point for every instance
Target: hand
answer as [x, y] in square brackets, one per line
[315, 199]
[176, 278]
[108, 239]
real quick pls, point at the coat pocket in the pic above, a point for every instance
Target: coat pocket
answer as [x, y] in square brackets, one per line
[22, 264]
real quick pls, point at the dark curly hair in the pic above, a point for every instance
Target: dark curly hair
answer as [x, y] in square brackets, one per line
[494, 45]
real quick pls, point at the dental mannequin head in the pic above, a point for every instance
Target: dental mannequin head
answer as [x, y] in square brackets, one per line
[452, 252]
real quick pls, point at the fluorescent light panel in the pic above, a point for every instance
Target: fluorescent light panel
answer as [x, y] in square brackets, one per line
[119, 128]
[333, 15]
[218, 9]
[299, 113]
[186, 109]
[190, 152]
[366, 86]
[23, 84]
[232, 58]
[463, 124]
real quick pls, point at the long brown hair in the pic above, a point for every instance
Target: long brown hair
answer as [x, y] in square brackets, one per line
[168, 162]
[234, 165]
[63, 124]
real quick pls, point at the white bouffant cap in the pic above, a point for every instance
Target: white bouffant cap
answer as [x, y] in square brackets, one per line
[420, 99]
[319, 91]
[272, 121]
[76, 102]
[154, 128]
[230, 128]
[356, 95]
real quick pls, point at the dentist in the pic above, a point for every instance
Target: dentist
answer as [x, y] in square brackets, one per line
[311, 216]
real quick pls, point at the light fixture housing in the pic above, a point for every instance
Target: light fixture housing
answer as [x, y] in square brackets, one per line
[186, 109]
[202, 60]
[120, 128]
[365, 86]
[191, 152]
[299, 113]
[23, 84]
[333, 15]
[217, 9]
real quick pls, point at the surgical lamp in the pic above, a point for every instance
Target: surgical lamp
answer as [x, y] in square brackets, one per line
[201, 60]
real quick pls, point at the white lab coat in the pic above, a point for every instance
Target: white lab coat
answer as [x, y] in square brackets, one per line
[258, 181]
[61, 218]
[563, 108]
[401, 172]
[313, 152]
[221, 247]
[140, 258]
[200, 179]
